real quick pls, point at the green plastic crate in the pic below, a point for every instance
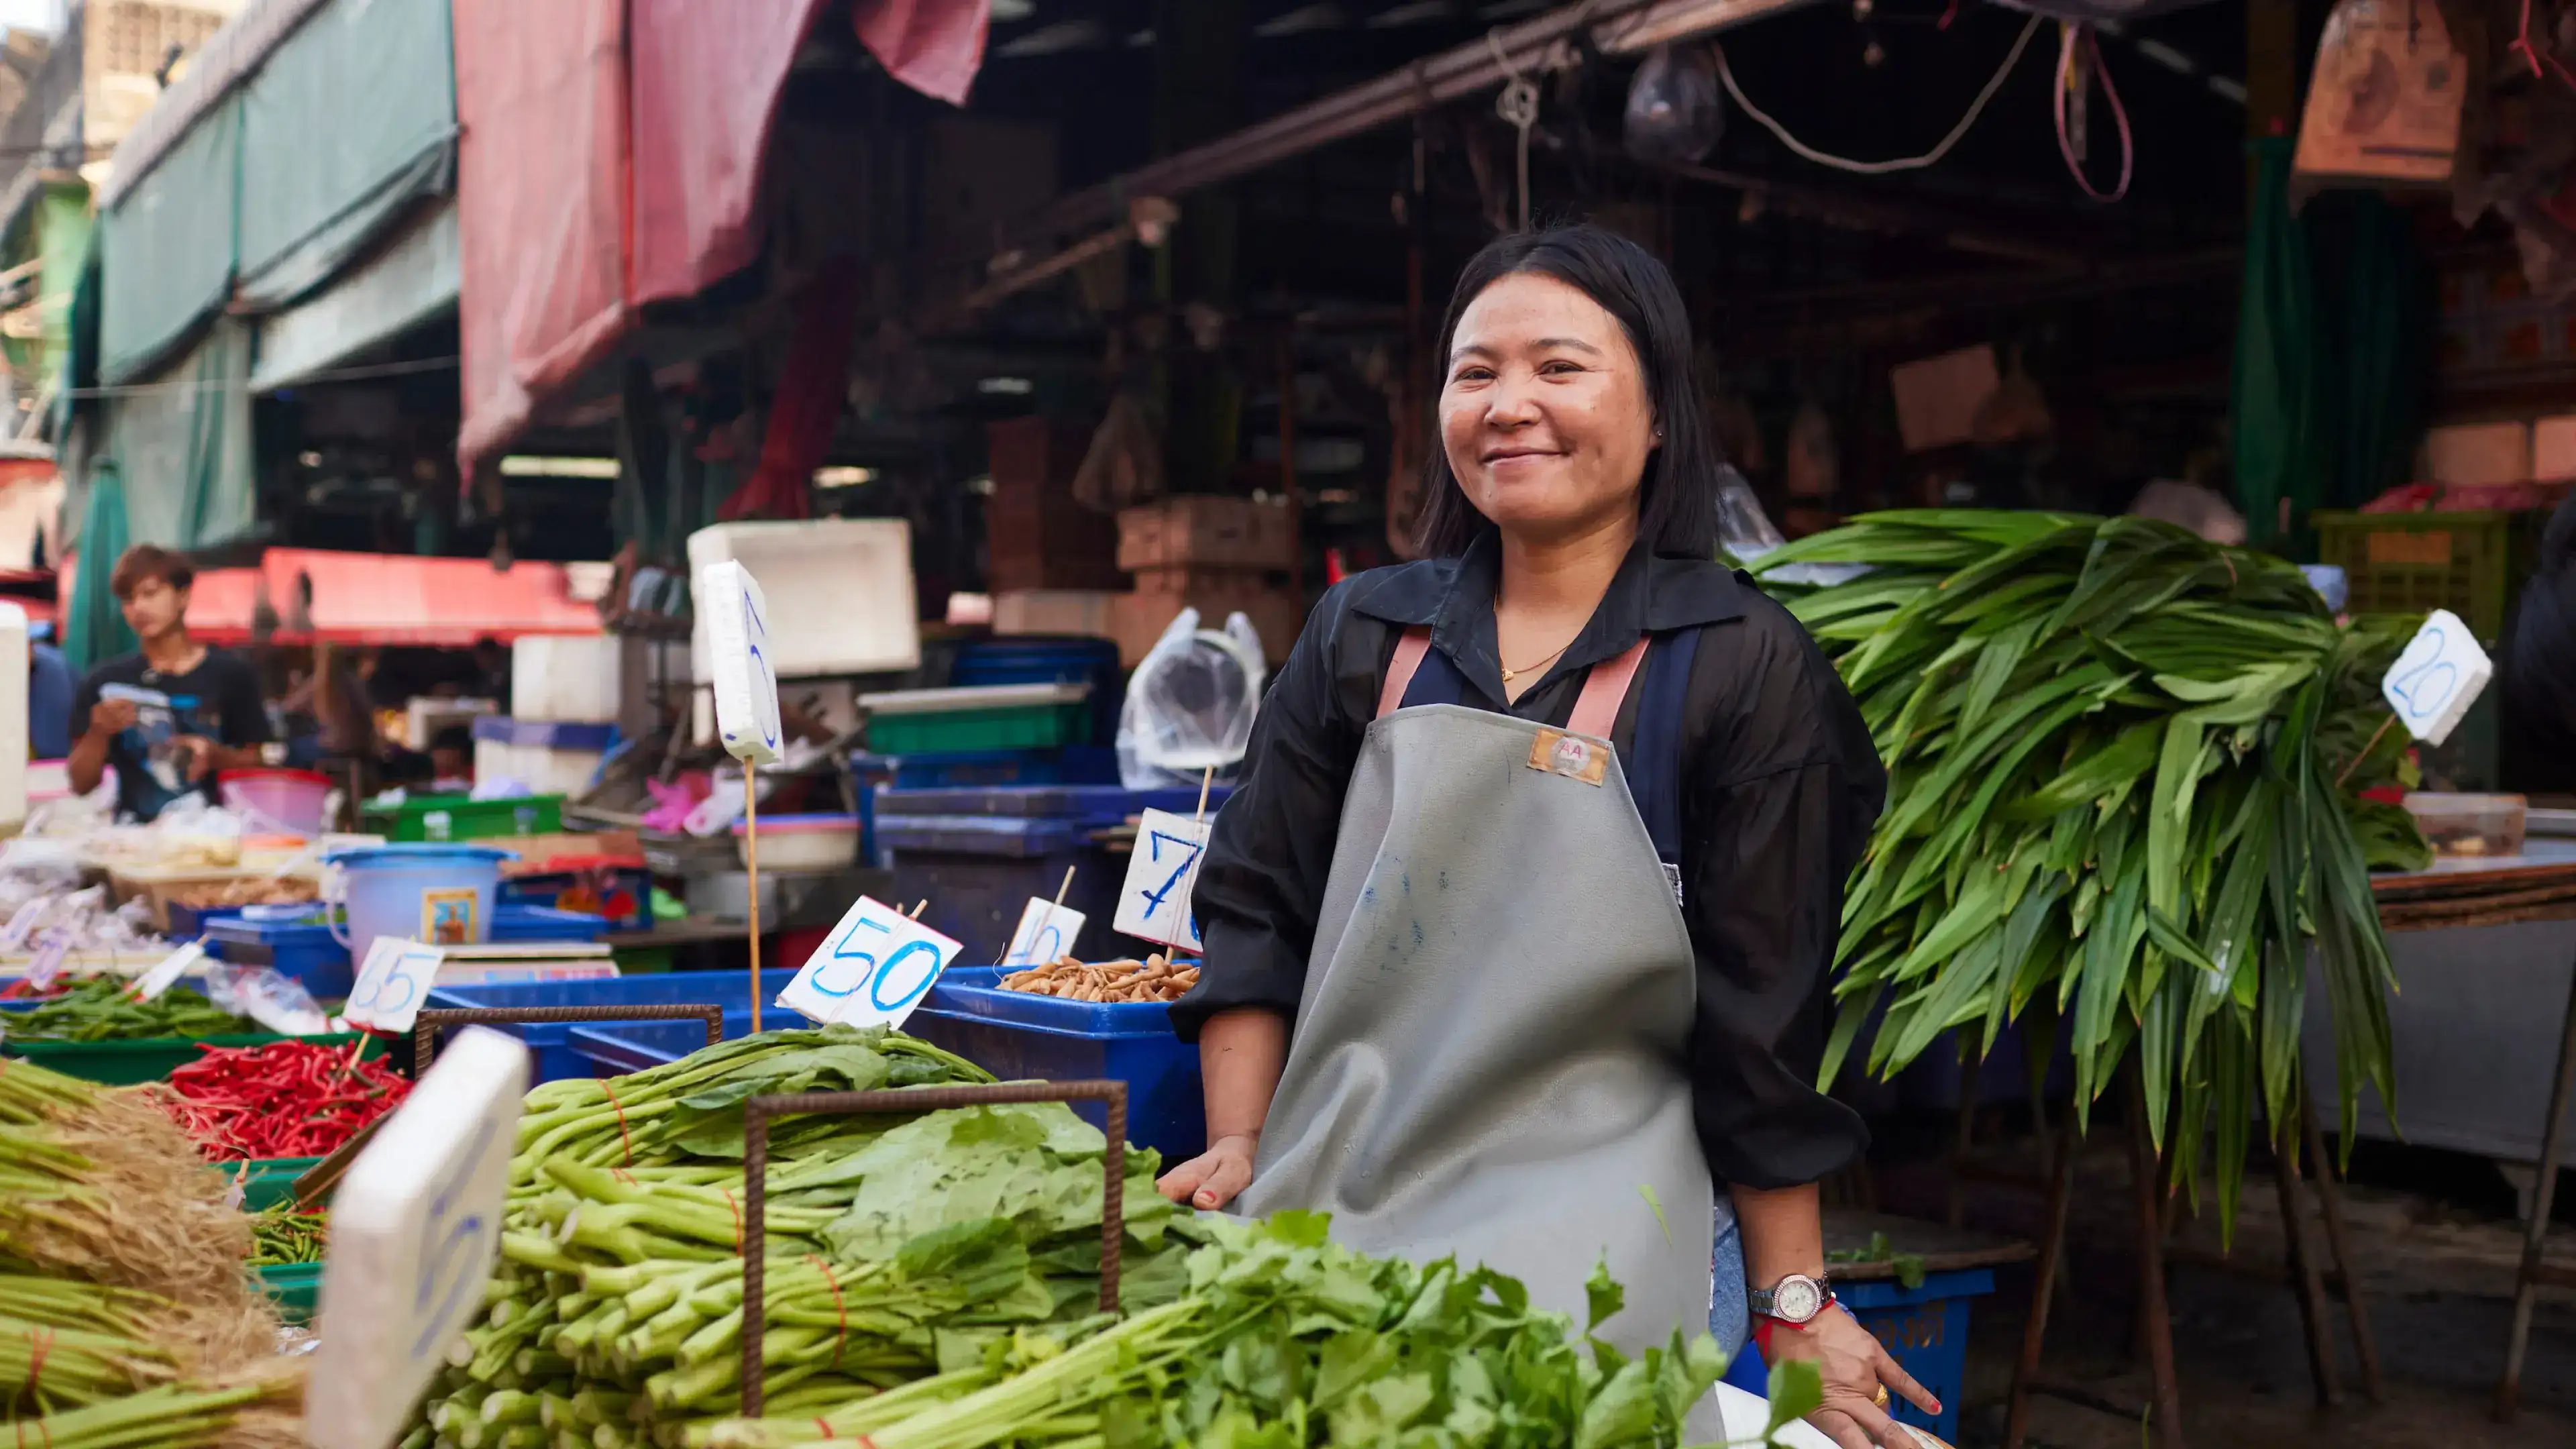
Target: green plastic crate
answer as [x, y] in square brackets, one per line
[268, 1181]
[149, 1059]
[461, 817]
[295, 1288]
[1018, 727]
[2414, 563]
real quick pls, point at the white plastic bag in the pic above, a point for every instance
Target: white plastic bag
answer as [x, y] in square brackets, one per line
[1744, 531]
[1190, 705]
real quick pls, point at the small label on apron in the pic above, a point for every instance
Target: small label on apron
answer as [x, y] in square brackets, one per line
[1576, 757]
[1673, 878]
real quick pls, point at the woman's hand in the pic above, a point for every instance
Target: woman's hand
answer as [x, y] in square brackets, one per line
[1211, 1179]
[1853, 1364]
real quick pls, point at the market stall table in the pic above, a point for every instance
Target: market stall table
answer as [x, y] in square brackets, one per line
[2521, 891]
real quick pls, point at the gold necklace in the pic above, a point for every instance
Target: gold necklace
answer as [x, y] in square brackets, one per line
[1510, 674]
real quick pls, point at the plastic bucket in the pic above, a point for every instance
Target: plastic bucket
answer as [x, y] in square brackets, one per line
[441, 894]
[289, 801]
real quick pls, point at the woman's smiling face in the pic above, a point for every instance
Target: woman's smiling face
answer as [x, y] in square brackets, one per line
[1544, 412]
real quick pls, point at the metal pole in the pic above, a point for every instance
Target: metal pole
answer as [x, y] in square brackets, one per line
[2155, 1313]
[2526, 1286]
[2043, 1283]
[1614, 27]
[2330, 1202]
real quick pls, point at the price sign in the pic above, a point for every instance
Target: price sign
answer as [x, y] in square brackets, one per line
[2437, 678]
[872, 970]
[23, 922]
[397, 975]
[165, 972]
[1046, 933]
[1154, 905]
[746, 685]
[47, 968]
[414, 1232]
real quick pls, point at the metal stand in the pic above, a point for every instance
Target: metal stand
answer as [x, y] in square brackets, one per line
[2365, 1344]
[326, 1174]
[2535, 1231]
[755, 1175]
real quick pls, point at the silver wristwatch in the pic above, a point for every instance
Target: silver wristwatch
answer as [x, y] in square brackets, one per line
[1796, 1299]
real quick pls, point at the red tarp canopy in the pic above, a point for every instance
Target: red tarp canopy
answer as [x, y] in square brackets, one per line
[220, 605]
[373, 598]
[584, 190]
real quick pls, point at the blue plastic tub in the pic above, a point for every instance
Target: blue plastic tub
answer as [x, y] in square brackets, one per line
[441, 894]
[1017, 1036]
[1923, 1328]
[552, 1043]
[523, 923]
[630, 887]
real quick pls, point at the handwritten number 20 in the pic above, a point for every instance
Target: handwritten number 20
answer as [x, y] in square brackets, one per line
[2426, 687]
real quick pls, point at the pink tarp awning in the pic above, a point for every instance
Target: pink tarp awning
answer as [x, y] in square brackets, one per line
[541, 203]
[374, 598]
[572, 216]
[222, 604]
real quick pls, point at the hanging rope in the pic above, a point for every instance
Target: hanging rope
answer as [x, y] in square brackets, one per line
[1518, 106]
[1932, 157]
[2091, 56]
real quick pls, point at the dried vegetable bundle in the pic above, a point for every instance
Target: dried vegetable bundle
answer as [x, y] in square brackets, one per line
[2124, 772]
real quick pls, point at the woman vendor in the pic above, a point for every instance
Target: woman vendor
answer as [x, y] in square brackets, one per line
[1517, 929]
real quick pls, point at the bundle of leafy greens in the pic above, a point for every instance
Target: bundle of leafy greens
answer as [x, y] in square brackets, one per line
[2124, 771]
[932, 1279]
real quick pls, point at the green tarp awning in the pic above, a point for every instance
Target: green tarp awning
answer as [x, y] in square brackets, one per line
[411, 279]
[181, 441]
[168, 247]
[347, 123]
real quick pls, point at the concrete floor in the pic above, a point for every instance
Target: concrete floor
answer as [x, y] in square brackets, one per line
[2439, 1284]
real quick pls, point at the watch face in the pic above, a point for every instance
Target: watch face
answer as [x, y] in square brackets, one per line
[1796, 1299]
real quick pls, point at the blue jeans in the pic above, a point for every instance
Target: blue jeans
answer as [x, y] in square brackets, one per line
[1730, 1316]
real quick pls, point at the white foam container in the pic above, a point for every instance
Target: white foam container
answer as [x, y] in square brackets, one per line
[839, 591]
[565, 678]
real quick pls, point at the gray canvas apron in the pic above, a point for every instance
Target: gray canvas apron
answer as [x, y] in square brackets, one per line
[1488, 1058]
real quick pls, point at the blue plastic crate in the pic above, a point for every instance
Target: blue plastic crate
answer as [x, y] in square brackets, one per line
[551, 1042]
[1018, 1036]
[634, 883]
[544, 923]
[1049, 659]
[978, 855]
[304, 949]
[961, 769]
[1924, 1328]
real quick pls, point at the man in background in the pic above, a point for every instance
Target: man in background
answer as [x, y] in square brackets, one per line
[49, 696]
[173, 715]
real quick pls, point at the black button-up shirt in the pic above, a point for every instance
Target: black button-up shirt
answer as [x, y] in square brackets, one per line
[1780, 786]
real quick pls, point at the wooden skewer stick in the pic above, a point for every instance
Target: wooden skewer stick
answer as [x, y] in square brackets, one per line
[751, 865]
[919, 906]
[1205, 781]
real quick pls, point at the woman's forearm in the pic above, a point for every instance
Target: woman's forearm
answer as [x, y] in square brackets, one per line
[1241, 1054]
[1783, 1232]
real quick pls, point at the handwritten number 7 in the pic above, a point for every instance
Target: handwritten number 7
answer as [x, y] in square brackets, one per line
[1154, 898]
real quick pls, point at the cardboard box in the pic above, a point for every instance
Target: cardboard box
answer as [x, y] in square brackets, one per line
[1937, 397]
[1037, 535]
[1141, 617]
[1058, 612]
[2478, 453]
[1206, 532]
[2553, 448]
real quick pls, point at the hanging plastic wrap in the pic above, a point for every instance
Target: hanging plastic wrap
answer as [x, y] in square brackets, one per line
[1745, 533]
[1190, 705]
[1674, 115]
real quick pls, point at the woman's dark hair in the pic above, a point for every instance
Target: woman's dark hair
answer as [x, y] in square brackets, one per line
[1677, 501]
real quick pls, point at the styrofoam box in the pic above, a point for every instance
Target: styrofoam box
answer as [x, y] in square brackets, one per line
[1056, 612]
[565, 677]
[544, 771]
[839, 590]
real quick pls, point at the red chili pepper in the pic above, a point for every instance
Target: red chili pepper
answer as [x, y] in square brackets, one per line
[286, 1099]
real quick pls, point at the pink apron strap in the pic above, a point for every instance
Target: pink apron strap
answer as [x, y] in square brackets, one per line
[1409, 654]
[1597, 713]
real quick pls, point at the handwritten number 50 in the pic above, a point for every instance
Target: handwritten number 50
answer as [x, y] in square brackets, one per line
[2426, 687]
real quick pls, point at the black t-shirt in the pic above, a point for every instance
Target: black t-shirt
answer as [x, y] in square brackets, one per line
[219, 699]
